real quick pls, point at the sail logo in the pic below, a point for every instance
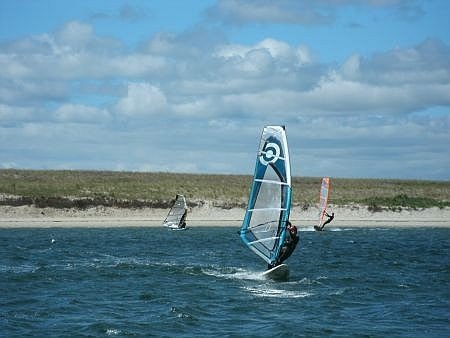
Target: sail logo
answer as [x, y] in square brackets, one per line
[270, 153]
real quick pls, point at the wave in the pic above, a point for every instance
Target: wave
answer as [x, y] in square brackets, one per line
[233, 273]
[260, 286]
[270, 292]
[113, 332]
[18, 269]
[305, 229]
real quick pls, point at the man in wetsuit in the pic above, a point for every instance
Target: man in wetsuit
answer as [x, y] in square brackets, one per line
[330, 218]
[289, 245]
[183, 220]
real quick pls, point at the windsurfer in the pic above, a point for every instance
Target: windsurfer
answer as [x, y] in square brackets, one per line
[330, 218]
[288, 247]
[183, 220]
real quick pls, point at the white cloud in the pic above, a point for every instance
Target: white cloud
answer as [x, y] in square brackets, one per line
[142, 100]
[426, 63]
[31, 91]
[14, 113]
[219, 93]
[280, 51]
[351, 67]
[257, 62]
[138, 65]
[76, 34]
[335, 94]
[12, 67]
[200, 108]
[81, 113]
[74, 52]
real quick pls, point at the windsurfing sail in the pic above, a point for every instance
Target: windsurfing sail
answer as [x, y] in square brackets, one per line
[176, 218]
[323, 201]
[264, 227]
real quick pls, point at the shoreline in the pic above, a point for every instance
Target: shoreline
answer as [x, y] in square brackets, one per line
[102, 217]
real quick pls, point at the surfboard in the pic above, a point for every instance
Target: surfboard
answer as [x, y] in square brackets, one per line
[264, 226]
[278, 273]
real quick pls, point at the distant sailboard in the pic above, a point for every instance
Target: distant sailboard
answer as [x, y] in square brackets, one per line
[264, 227]
[176, 218]
[323, 202]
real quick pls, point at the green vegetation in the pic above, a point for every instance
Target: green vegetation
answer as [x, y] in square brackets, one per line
[81, 189]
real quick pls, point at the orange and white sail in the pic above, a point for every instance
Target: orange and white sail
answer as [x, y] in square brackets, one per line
[323, 202]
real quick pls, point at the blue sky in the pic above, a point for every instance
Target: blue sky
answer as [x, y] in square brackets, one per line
[186, 86]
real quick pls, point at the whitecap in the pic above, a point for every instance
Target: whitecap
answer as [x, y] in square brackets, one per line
[25, 268]
[306, 229]
[113, 332]
[276, 293]
[338, 292]
[233, 273]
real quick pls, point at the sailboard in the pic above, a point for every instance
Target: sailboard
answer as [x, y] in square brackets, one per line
[264, 226]
[323, 201]
[277, 273]
[176, 218]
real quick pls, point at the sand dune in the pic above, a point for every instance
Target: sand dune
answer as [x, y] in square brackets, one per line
[348, 216]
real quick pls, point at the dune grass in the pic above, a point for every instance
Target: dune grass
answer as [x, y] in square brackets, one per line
[61, 188]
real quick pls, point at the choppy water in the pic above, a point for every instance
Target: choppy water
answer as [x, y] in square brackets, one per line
[204, 282]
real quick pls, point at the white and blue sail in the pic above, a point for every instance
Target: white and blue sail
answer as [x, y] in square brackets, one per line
[264, 227]
[176, 218]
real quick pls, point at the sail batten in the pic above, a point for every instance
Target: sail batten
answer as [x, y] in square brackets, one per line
[264, 226]
[264, 209]
[270, 181]
[263, 240]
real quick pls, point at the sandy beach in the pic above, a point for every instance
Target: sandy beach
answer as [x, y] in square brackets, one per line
[345, 216]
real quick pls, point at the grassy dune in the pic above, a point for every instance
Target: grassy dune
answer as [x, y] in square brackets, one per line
[80, 189]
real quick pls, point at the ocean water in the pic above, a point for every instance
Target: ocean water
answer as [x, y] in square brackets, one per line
[204, 282]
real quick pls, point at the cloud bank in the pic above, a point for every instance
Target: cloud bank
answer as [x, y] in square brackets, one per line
[73, 98]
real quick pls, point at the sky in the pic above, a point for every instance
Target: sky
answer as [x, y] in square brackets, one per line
[362, 86]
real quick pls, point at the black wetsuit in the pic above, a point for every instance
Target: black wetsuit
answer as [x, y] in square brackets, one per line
[330, 218]
[286, 250]
[183, 220]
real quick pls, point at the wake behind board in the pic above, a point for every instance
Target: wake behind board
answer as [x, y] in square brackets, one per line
[178, 229]
[278, 273]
